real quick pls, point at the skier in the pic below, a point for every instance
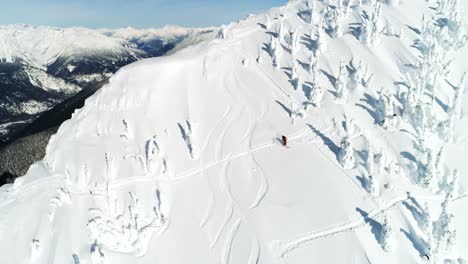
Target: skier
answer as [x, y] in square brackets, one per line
[284, 141]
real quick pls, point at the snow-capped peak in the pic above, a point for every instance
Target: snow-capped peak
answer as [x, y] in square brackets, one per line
[40, 46]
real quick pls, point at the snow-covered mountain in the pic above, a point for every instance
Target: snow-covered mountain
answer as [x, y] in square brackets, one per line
[42, 66]
[179, 158]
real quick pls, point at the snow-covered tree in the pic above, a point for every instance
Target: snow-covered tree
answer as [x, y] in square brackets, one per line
[275, 52]
[372, 186]
[379, 161]
[456, 108]
[221, 33]
[346, 154]
[392, 2]
[445, 130]
[294, 70]
[267, 22]
[320, 40]
[313, 66]
[443, 230]
[350, 129]
[369, 160]
[296, 112]
[386, 234]
[333, 20]
[446, 6]
[341, 84]
[419, 120]
[359, 75]
[316, 96]
[371, 29]
[293, 43]
[385, 109]
[452, 183]
[428, 174]
[348, 8]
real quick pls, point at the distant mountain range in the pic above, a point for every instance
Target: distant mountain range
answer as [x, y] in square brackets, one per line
[41, 67]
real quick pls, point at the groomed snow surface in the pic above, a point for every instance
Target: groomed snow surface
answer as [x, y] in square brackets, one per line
[179, 159]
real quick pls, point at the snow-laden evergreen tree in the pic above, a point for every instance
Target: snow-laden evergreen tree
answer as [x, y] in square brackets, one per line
[379, 162]
[385, 110]
[456, 108]
[439, 162]
[275, 52]
[443, 230]
[313, 66]
[221, 33]
[386, 234]
[350, 129]
[348, 8]
[409, 99]
[419, 120]
[296, 112]
[267, 22]
[341, 84]
[392, 2]
[371, 28]
[427, 173]
[446, 6]
[372, 186]
[357, 75]
[316, 96]
[452, 182]
[333, 21]
[294, 43]
[294, 70]
[298, 83]
[445, 130]
[320, 40]
[346, 154]
[369, 160]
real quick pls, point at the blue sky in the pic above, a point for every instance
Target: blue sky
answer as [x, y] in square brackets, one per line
[134, 13]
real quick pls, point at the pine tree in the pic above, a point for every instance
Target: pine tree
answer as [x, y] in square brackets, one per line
[370, 29]
[316, 95]
[386, 235]
[427, 177]
[346, 154]
[320, 40]
[340, 84]
[372, 186]
[443, 231]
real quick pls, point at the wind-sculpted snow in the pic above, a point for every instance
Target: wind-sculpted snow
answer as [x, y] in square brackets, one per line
[181, 159]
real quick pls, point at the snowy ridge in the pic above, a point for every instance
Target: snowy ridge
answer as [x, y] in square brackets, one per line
[167, 33]
[42, 66]
[41, 46]
[179, 159]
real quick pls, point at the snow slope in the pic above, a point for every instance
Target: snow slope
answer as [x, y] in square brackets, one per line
[42, 66]
[178, 159]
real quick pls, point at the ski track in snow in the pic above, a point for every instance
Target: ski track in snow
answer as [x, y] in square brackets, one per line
[255, 253]
[262, 191]
[209, 211]
[223, 226]
[226, 253]
[211, 205]
[281, 248]
[58, 179]
[186, 175]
